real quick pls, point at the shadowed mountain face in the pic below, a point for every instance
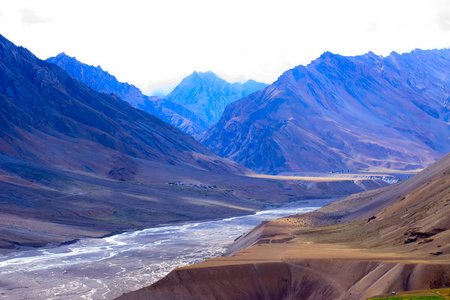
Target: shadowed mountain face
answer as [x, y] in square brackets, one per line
[343, 113]
[101, 81]
[207, 95]
[47, 117]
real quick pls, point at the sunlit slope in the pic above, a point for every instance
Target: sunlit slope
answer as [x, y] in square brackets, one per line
[343, 113]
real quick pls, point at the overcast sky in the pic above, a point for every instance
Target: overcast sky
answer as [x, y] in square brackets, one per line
[154, 44]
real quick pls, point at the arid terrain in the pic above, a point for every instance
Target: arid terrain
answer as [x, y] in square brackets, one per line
[391, 239]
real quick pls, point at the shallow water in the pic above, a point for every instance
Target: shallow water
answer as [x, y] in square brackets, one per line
[108, 267]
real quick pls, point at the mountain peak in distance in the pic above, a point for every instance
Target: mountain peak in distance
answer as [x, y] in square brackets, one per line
[207, 95]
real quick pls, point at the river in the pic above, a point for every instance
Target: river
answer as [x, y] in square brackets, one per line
[108, 267]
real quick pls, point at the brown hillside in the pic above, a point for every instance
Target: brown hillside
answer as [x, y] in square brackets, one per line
[395, 238]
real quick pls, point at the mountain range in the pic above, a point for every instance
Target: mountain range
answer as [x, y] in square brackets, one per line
[343, 114]
[78, 163]
[194, 105]
[46, 114]
[75, 162]
[101, 81]
[92, 164]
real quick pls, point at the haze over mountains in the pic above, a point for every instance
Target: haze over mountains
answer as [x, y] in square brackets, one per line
[194, 105]
[336, 114]
[207, 95]
[343, 113]
[103, 82]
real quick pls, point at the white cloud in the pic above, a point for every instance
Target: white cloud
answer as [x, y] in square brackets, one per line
[443, 20]
[30, 17]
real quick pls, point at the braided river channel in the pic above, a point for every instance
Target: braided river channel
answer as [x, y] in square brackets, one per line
[106, 268]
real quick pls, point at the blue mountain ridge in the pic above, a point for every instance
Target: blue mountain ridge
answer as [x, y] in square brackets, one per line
[343, 113]
[207, 95]
[194, 105]
[101, 81]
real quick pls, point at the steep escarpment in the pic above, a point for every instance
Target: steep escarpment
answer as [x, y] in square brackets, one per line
[343, 113]
[395, 238]
[310, 279]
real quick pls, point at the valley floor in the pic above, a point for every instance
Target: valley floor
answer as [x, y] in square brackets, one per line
[391, 239]
[43, 206]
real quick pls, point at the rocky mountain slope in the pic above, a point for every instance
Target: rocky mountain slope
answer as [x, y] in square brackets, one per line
[207, 95]
[46, 115]
[391, 239]
[101, 81]
[343, 113]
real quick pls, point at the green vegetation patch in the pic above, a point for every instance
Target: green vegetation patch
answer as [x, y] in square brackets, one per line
[438, 294]
[411, 298]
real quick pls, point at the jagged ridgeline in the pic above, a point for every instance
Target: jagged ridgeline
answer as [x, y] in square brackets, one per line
[343, 113]
[193, 106]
